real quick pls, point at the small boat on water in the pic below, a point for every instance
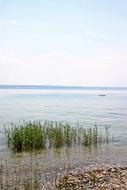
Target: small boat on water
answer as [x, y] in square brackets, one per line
[102, 95]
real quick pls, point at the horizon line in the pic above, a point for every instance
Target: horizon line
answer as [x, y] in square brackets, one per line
[11, 86]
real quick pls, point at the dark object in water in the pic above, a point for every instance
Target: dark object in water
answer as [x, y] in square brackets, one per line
[102, 95]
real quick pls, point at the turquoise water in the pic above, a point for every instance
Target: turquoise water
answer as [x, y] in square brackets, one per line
[83, 106]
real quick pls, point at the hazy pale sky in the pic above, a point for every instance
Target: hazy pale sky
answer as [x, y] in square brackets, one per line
[63, 42]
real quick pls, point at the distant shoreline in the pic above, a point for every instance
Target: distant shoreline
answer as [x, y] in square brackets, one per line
[55, 87]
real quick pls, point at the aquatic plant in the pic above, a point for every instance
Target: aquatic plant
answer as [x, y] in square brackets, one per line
[93, 136]
[27, 136]
[25, 177]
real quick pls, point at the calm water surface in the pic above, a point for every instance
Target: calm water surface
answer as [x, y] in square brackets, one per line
[85, 107]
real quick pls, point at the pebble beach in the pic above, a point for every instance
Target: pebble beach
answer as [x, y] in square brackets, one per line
[95, 178]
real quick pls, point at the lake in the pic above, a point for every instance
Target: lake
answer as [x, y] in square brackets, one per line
[83, 106]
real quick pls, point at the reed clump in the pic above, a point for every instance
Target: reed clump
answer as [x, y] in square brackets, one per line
[24, 176]
[27, 136]
[94, 136]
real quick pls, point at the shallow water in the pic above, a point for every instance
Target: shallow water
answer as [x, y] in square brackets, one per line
[85, 107]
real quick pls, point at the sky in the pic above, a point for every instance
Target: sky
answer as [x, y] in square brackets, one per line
[69, 42]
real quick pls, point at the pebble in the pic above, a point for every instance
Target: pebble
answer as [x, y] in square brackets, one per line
[95, 178]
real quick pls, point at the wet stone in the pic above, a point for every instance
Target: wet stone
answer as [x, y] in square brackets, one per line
[97, 178]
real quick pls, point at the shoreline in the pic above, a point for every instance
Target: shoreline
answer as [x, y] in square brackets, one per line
[64, 177]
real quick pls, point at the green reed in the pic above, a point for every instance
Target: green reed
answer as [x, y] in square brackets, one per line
[93, 136]
[25, 136]
[25, 177]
